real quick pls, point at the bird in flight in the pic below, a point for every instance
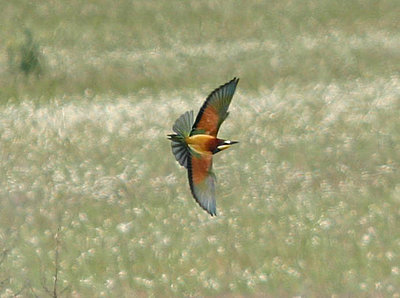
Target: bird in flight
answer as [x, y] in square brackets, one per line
[195, 141]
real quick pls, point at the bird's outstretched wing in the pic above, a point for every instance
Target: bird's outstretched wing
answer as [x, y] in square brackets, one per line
[215, 109]
[202, 181]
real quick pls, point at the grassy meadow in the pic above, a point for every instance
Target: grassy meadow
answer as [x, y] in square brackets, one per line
[92, 201]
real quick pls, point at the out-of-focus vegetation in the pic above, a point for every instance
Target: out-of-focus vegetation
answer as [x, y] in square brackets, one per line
[308, 202]
[128, 46]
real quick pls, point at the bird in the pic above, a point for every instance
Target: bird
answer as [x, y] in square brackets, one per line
[194, 142]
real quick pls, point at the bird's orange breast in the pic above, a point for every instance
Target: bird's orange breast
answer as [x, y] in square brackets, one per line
[203, 144]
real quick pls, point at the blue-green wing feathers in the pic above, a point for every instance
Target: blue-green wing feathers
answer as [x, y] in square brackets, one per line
[202, 182]
[215, 109]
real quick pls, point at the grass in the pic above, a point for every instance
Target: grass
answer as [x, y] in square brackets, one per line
[308, 202]
[172, 46]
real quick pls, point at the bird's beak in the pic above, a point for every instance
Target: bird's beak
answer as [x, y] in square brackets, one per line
[226, 145]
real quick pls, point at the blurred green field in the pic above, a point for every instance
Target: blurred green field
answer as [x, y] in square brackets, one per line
[308, 202]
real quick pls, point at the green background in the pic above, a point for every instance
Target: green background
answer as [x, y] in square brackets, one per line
[308, 202]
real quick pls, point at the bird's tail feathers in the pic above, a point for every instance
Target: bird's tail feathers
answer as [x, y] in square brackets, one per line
[182, 127]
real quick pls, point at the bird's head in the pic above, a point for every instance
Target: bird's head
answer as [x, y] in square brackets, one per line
[224, 144]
